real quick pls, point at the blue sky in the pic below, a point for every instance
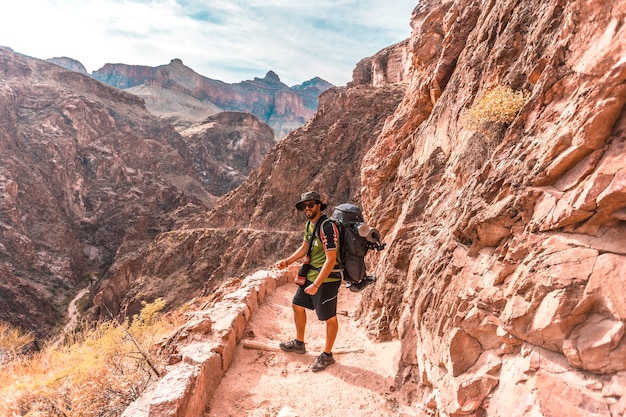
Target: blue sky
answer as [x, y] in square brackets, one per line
[230, 41]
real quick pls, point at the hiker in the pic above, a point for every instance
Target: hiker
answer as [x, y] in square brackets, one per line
[318, 279]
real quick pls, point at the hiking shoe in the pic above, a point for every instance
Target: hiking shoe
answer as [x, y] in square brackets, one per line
[358, 286]
[322, 362]
[293, 346]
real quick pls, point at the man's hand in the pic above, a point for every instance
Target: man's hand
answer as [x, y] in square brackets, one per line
[311, 289]
[282, 264]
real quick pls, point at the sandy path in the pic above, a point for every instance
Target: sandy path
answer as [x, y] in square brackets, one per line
[72, 311]
[72, 314]
[263, 383]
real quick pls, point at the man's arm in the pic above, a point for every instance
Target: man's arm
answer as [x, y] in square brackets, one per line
[299, 253]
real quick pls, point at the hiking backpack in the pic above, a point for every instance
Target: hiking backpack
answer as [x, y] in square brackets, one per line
[355, 239]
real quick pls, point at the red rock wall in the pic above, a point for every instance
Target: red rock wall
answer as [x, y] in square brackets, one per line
[390, 65]
[506, 247]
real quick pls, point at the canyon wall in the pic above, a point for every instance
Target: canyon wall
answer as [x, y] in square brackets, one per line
[506, 240]
[227, 147]
[83, 170]
[389, 66]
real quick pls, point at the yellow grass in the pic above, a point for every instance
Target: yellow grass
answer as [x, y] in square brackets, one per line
[98, 373]
[12, 341]
[498, 105]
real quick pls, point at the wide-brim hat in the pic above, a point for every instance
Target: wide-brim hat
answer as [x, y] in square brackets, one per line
[308, 196]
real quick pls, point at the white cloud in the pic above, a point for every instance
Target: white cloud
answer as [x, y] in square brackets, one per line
[226, 40]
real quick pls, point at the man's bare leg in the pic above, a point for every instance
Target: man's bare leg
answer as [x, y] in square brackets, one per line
[332, 327]
[299, 317]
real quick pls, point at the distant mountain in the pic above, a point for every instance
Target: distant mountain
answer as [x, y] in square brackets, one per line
[181, 96]
[312, 89]
[175, 107]
[69, 63]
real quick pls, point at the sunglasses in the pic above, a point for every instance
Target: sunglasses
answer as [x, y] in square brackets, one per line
[310, 204]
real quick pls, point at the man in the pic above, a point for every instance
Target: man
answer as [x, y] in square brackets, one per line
[321, 286]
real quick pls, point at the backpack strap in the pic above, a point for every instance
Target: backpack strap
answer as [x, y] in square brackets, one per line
[316, 232]
[337, 271]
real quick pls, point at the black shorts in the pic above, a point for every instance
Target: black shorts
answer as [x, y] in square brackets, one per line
[324, 301]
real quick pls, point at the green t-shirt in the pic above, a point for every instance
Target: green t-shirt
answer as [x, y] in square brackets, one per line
[327, 239]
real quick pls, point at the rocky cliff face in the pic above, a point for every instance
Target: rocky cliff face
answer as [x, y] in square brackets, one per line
[227, 147]
[276, 104]
[390, 65]
[88, 175]
[83, 170]
[506, 243]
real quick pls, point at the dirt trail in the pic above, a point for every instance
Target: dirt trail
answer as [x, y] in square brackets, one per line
[72, 311]
[264, 383]
[72, 314]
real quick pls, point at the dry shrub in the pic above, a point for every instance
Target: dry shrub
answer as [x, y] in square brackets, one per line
[489, 117]
[13, 341]
[498, 106]
[102, 371]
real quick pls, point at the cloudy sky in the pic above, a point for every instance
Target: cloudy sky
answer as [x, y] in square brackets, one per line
[231, 41]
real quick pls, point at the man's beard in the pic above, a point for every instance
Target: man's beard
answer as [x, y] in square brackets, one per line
[311, 215]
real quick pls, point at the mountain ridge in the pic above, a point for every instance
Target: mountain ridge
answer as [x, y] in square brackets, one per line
[168, 90]
[281, 107]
